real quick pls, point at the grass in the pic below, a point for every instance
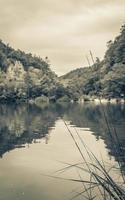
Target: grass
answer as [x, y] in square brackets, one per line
[100, 185]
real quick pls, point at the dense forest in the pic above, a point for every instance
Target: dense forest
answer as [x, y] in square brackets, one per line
[104, 78]
[24, 76]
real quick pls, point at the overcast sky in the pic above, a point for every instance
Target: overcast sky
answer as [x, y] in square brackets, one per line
[64, 31]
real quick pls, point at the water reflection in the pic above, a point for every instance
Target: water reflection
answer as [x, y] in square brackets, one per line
[25, 124]
[106, 122]
[22, 124]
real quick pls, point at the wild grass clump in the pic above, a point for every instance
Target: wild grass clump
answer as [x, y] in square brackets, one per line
[99, 184]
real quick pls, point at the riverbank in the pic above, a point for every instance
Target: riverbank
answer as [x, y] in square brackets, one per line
[103, 100]
[64, 99]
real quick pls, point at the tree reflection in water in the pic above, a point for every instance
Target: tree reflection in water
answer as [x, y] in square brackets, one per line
[92, 116]
[26, 124]
[22, 124]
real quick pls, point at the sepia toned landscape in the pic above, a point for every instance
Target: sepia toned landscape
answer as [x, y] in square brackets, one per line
[62, 100]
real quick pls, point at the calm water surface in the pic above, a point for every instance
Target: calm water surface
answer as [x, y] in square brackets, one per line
[34, 142]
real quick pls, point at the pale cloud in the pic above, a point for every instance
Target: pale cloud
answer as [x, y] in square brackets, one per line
[63, 31]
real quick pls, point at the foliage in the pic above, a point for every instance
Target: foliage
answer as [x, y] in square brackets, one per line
[9, 54]
[105, 78]
[37, 79]
[116, 50]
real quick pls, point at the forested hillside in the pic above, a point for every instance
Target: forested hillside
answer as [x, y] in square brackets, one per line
[24, 76]
[105, 78]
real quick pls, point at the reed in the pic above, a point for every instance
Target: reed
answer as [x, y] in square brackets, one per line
[100, 185]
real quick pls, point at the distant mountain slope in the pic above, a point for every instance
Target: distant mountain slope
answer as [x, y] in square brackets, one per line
[105, 78]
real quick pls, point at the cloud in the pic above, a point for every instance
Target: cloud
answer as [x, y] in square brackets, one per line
[64, 31]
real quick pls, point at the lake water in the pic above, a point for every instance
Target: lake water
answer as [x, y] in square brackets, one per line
[35, 142]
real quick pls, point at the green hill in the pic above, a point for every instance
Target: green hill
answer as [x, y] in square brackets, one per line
[105, 78]
[25, 76]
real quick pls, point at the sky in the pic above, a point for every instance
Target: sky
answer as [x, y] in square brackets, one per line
[65, 31]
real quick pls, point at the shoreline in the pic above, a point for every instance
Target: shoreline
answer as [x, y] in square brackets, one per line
[103, 100]
[81, 100]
